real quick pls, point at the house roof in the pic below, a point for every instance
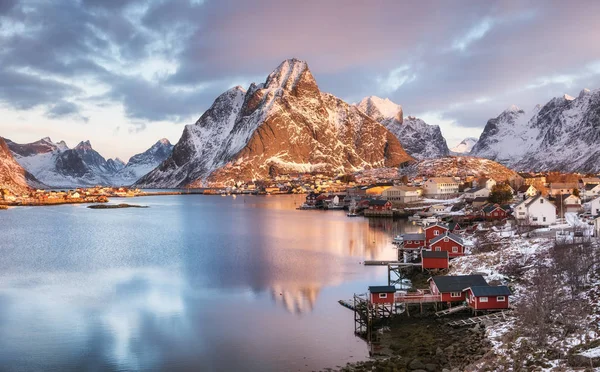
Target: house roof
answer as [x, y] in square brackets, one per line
[487, 290]
[382, 289]
[448, 283]
[480, 199]
[377, 202]
[591, 186]
[437, 224]
[477, 189]
[413, 236]
[491, 208]
[449, 235]
[561, 185]
[590, 180]
[434, 254]
[453, 225]
[442, 180]
[524, 188]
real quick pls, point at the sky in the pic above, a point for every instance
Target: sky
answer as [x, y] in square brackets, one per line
[125, 73]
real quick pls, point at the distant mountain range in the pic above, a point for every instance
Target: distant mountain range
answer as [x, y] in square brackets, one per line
[283, 125]
[562, 135]
[287, 125]
[56, 165]
[464, 147]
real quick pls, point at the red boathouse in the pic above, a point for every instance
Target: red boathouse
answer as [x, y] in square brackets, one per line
[382, 294]
[434, 260]
[487, 297]
[448, 242]
[433, 231]
[451, 287]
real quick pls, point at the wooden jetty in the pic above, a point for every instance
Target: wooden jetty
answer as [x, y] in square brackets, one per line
[451, 310]
[387, 263]
[493, 317]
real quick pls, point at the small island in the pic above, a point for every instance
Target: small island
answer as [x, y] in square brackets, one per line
[115, 206]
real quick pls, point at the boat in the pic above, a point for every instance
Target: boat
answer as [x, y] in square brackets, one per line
[352, 209]
[427, 220]
[398, 239]
[414, 217]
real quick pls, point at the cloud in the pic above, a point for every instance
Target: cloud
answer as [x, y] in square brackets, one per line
[477, 32]
[65, 109]
[395, 79]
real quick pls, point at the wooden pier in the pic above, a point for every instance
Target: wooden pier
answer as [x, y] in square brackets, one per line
[493, 317]
[387, 263]
[419, 297]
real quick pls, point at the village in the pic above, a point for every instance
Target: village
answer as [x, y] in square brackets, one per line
[461, 268]
[40, 197]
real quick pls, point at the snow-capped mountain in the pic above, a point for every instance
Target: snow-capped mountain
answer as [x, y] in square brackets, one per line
[381, 109]
[419, 139]
[283, 125]
[56, 165]
[562, 135]
[140, 164]
[12, 176]
[465, 146]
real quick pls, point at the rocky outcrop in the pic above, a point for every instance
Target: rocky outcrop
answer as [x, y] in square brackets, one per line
[283, 125]
[12, 176]
[419, 139]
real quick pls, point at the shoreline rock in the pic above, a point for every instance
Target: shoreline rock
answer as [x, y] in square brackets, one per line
[115, 206]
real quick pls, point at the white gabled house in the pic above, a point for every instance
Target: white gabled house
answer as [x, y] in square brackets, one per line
[481, 192]
[488, 183]
[595, 207]
[590, 191]
[526, 191]
[536, 211]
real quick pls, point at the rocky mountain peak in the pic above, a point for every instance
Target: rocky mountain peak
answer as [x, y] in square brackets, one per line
[164, 142]
[83, 146]
[381, 109]
[292, 75]
[568, 97]
[584, 92]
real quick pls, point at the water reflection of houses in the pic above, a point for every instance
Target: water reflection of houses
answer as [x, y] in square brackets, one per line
[296, 300]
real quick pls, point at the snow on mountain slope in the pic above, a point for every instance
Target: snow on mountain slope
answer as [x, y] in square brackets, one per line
[419, 139]
[12, 176]
[465, 146]
[280, 126]
[506, 137]
[381, 109]
[59, 166]
[141, 164]
[562, 135]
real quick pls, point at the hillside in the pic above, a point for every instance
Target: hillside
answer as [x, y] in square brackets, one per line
[12, 176]
[460, 166]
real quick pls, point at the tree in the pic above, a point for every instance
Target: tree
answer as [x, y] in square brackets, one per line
[575, 192]
[501, 193]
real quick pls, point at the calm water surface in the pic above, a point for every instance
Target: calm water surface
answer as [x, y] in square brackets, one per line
[194, 282]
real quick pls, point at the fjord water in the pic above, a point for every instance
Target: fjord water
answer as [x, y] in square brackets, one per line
[192, 283]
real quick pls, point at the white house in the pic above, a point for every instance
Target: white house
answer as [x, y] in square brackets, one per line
[439, 208]
[488, 183]
[590, 191]
[536, 211]
[562, 188]
[402, 194]
[440, 187]
[481, 192]
[595, 210]
[526, 191]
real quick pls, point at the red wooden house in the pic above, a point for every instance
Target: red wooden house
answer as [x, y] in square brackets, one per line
[494, 212]
[380, 205]
[311, 199]
[434, 260]
[382, 294]
[487, 297]
[433, 231]
[412, 241]
[451, 287]
[448, 242]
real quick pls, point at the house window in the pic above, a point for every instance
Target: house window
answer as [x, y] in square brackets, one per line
[535, 219]
[454, 294]
[500, 298]
[544, 219]
[483, 299]
[454, 249]
[541, 201]
[438, 249]
[436, 233]
[445, 239]
[383, 295]
[409, 242]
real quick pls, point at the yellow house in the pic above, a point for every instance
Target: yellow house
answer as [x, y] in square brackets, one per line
[376, 190]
